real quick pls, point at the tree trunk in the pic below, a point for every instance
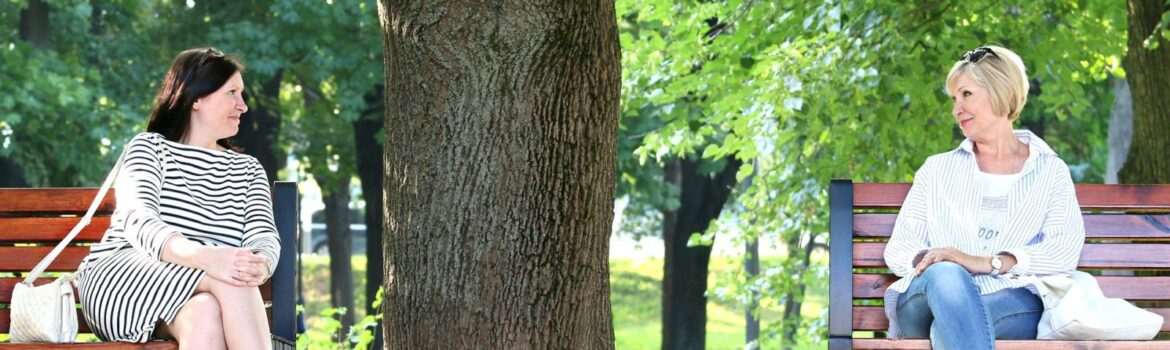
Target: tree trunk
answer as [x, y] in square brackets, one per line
[684, 281]
[752, 324]
[500, 173]
[1120, 129]
[260, 127]
[34, 24]
[1148, 72]
[11, 175]
[338, 235]
[34, 29]
[794, 298]
[370, 170]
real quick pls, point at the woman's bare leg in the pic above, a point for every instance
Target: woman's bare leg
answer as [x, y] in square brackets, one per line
[198, 325]
[244, 324]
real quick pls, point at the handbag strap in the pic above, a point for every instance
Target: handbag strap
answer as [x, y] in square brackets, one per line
[110, 179]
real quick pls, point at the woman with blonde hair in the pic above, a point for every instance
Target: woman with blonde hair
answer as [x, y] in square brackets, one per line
[983, 220]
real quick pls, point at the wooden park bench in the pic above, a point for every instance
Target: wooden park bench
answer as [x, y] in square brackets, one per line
[1127, 228]
[34, 220]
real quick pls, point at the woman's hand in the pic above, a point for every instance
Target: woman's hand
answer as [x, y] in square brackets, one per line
[973, 264]
[235, 266]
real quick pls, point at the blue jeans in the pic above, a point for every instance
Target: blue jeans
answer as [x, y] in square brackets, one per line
[944, 304]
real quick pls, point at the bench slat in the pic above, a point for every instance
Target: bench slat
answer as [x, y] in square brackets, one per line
[23, 259]
[52, 200]
[1093, 256]
[1136, 226]
[51, 229]
[873, 318]
[923, 344]
[8, 283]
[1090, 196]
[1132, 288]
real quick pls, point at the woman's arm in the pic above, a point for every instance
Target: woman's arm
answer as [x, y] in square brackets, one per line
[908, 241]
[236, 266]
[260, 234]
[139, 188]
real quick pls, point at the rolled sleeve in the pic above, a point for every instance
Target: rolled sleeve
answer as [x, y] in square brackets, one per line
[909, 238]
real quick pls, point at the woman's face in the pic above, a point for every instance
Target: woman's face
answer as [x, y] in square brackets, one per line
[972, 108]
[217, 116]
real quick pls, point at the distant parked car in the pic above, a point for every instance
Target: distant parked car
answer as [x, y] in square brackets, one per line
[357, 229]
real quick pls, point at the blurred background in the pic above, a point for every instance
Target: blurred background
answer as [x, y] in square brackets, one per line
[735, 112]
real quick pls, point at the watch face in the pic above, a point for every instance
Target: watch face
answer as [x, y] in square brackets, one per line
[996, 263]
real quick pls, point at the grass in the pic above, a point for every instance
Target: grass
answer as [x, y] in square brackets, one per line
[636, 291]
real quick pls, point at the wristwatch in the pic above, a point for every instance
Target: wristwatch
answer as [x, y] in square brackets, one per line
[996, 265]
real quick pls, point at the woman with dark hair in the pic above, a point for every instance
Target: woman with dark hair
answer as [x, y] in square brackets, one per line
[192, 236]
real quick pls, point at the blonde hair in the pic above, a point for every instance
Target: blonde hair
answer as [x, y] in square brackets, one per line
[1002, 73]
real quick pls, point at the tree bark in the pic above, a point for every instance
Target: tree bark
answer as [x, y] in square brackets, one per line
[1148, 72]
[260, 127]
[338, 235]
[684, 281]
[370, 170]
[501, 122]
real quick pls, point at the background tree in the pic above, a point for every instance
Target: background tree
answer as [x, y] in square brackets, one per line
[501, 120]
[1148, 63]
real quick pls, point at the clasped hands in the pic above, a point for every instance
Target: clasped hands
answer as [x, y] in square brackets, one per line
[236, 266]
[973, 264]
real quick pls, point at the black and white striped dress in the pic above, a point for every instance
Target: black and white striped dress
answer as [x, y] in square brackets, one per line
[218, 198]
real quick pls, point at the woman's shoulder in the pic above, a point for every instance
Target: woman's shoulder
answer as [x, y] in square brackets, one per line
[146, 139]
[944, 160]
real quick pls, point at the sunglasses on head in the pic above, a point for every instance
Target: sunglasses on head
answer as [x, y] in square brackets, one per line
[977, 54]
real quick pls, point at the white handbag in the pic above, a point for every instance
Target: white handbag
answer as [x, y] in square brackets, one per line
[1075, 309]
[48, 313]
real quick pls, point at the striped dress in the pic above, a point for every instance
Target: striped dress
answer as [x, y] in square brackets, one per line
[216, 198]
[1041, 223]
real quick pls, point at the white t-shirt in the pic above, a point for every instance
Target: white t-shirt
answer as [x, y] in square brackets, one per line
[993, 210]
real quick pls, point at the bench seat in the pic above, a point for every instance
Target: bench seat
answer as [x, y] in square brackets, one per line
[34, 220]
[1127, 248]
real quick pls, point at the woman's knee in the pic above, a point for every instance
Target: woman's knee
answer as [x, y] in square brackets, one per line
[203, 309]
[223, 289]
[199, 324]
[945, 269]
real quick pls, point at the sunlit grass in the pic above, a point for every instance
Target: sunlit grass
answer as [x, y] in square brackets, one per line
[635, 289]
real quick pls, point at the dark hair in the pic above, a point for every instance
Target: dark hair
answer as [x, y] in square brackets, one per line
[195, 73]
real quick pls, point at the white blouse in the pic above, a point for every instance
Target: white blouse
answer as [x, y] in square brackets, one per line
[1037, 219]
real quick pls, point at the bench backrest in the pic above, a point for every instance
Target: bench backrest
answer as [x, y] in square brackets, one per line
[34, 220]
[1127, 229]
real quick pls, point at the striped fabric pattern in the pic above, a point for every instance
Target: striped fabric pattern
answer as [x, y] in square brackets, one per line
[216, 198]
[1044, 229]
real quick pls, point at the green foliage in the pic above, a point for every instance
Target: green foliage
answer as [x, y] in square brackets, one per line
[360, 336]
[66, 109]
[321, 320]
[811, 91]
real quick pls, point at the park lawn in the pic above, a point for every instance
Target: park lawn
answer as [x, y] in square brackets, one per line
[635, 283]
[636, 292]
